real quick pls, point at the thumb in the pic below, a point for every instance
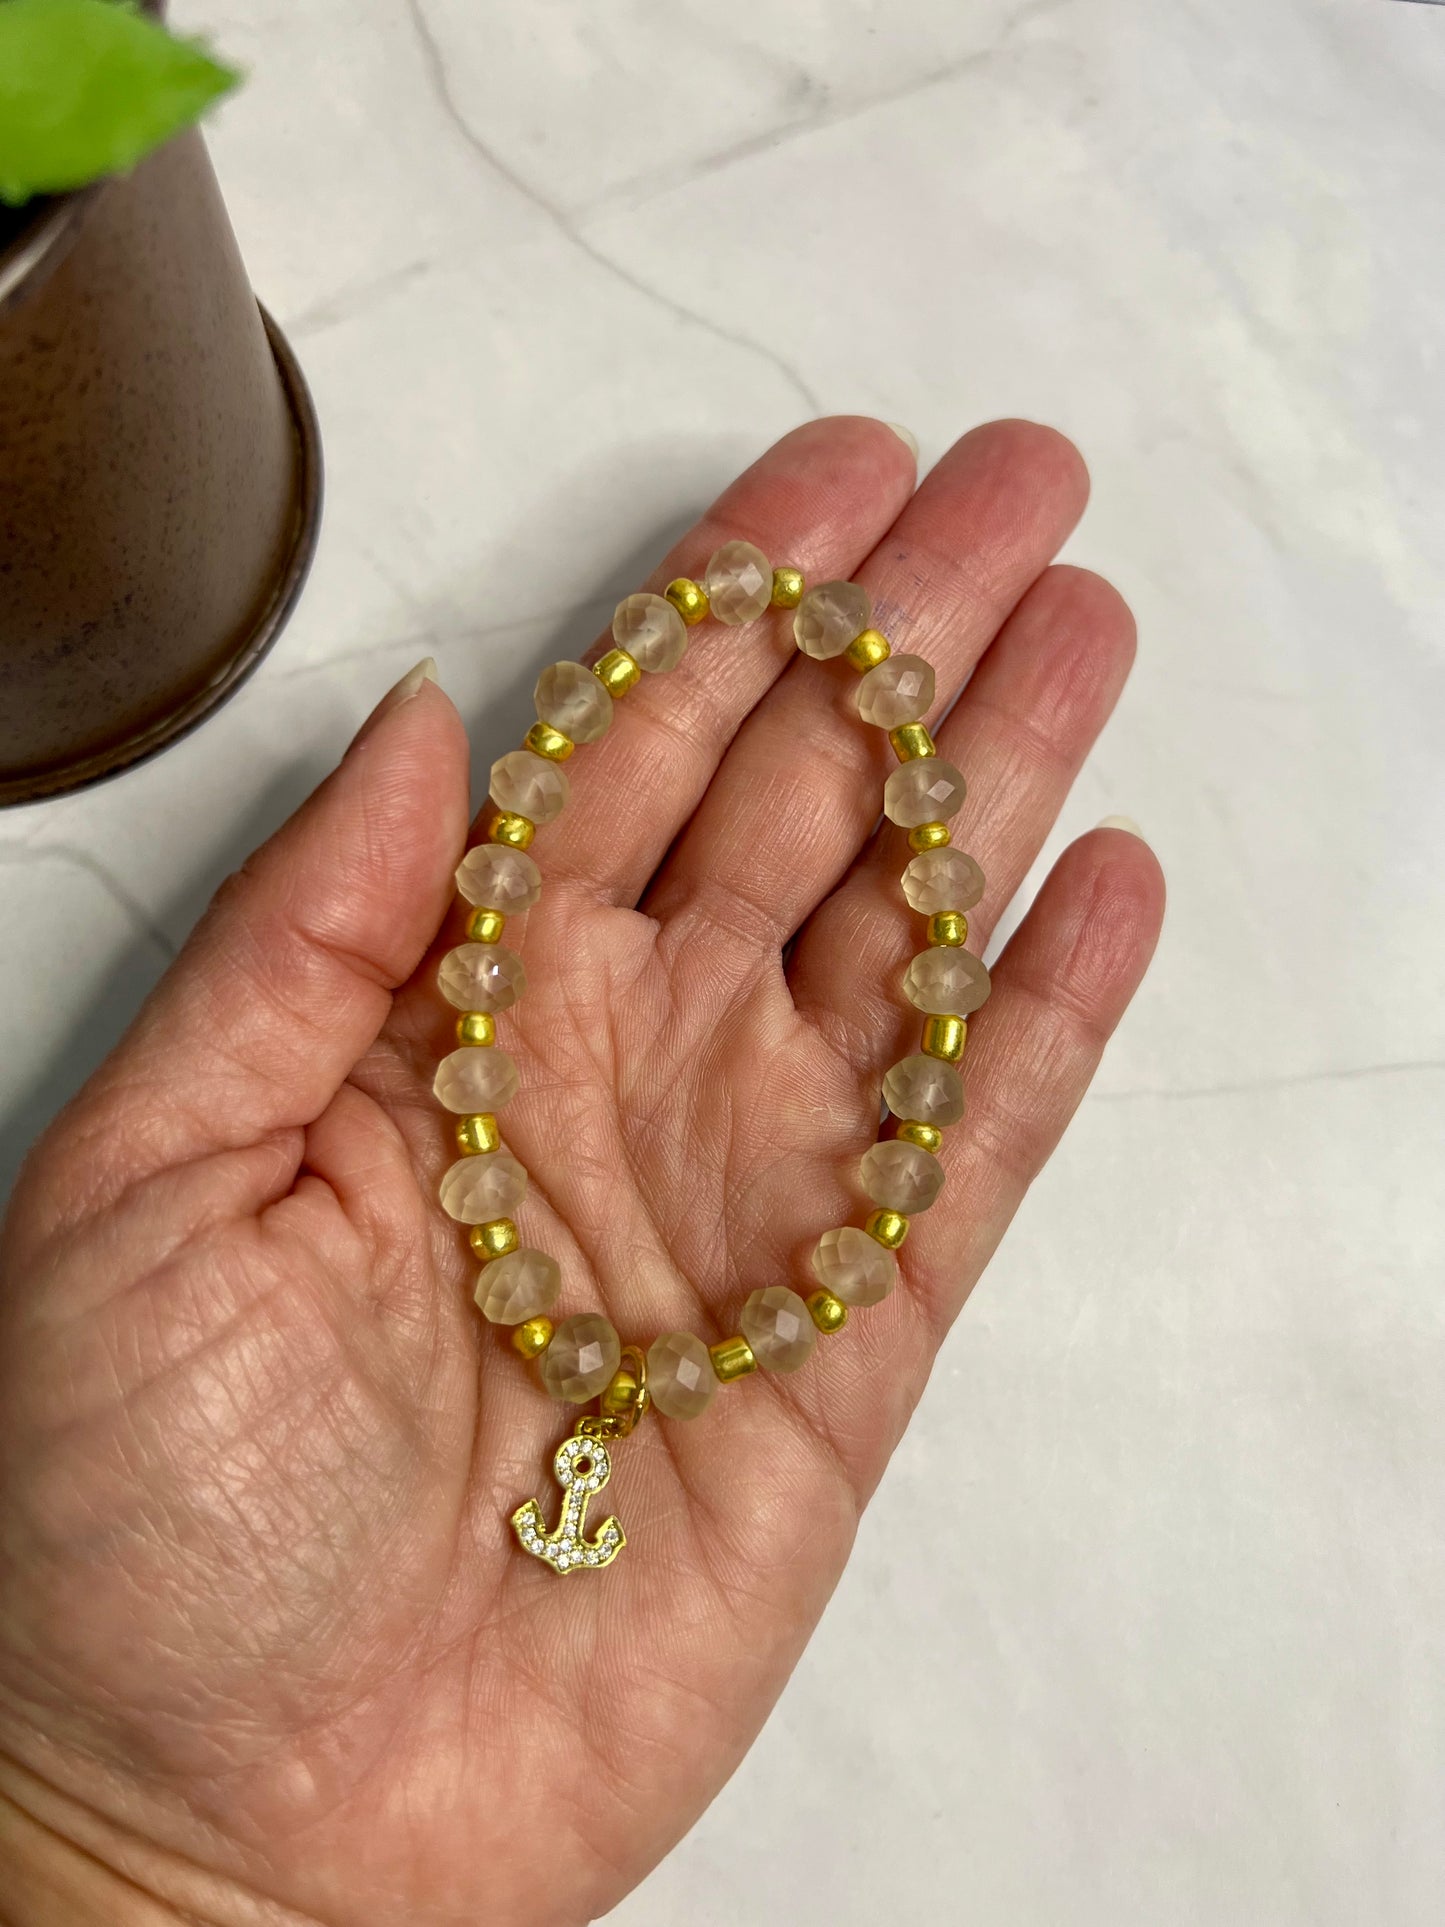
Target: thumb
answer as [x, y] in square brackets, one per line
[287, 979]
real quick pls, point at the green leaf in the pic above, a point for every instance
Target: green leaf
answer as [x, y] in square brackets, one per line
[88, 88]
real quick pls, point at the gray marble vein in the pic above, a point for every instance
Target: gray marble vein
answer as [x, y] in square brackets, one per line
[567, 225]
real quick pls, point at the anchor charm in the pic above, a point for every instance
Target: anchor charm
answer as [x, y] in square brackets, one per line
[582, 1467]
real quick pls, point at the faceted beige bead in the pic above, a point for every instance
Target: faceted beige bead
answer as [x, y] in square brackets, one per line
[680, 1375]
[739, 582]
[901, 1176]
[522, 1285]
[494, 876]
[581, 1359]
[828, 618]
[943, 879]
[779, 1328]
[926, 790]
[925, 1089]
[571, 699]
[853, 1266]
[651, 631]
[482, 976]
[529, 785]
[897, 690]
[946, 981]
[478, 1189]
[475, 1080]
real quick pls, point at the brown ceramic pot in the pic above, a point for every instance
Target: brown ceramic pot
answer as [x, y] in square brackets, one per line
[160, 473]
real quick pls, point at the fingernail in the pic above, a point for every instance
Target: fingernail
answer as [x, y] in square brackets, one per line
[1121, 823]
[907, 437]
[399, 693]
[411, 682]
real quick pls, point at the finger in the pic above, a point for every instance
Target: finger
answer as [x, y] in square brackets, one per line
[1060, 988]
[288, 977]
[1020, 733]
[1062, 984]
[799, 790]
[817, 501]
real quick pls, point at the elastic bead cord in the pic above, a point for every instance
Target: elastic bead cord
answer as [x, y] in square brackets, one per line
[854, 1265]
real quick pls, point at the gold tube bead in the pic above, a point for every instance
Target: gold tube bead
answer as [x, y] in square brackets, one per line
[476, 1027]
[505, 826]
[866, 651]
[617, 672]
[888, 1227]
[477, 1133]
[689, 598]
[787, 588]
[486, 926]
[950, 927]
[928, 836]
[911, 740]
[493, 1240]
[732, 1358]
[945, 1037]
[927, 1137]
[548, 742]
[828, 1313]
[532, 1337]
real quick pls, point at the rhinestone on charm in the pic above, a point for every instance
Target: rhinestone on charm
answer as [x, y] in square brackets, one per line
[581, 1466]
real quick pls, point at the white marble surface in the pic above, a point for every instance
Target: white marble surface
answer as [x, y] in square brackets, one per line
[1171, 1649]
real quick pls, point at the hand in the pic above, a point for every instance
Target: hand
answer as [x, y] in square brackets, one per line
[267, 1647]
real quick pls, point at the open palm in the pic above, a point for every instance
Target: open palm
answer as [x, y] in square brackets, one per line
[267, 1646]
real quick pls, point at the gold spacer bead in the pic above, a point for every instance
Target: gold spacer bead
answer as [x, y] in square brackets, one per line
[866, 651]
[485, 926]
[911, 740]
[548, 742]
[787, 588]
[945, 1037]
[505, 826]
[625, 1396]
[476, 1027]
[888, 1227]
[950, 927]
[617, 671]
[689, 598]
[478, 1133]
[532, 1337]
[927, 1137]
[493, 1240]
[732, 1358]
[828, 1313]
[928, 836]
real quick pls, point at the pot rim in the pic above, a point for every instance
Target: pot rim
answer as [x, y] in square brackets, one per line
[44, 240]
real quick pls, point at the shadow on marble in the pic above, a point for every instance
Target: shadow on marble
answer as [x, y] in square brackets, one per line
[509, 713]
[135, 972]
[138, 966]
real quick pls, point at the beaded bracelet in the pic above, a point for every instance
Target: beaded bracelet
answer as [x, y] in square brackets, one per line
[583, 1358]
